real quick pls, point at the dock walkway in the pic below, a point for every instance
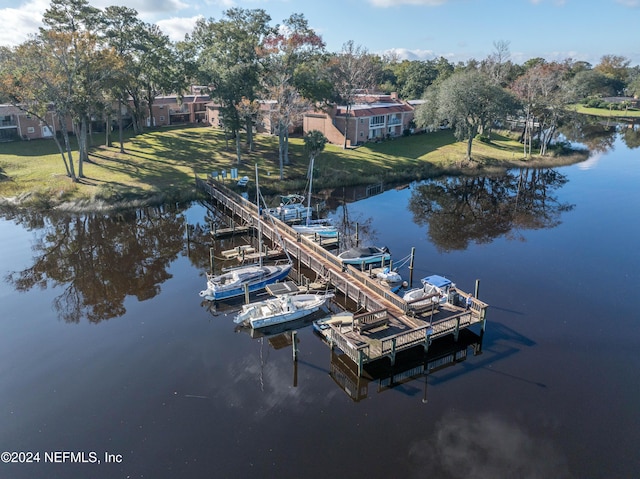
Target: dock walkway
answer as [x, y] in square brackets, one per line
[405, 328]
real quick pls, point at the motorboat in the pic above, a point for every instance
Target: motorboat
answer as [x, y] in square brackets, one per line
[281, 309]
[434, 290]
[232, 283]
[390, 278]
[322, 230]
[368, 255]
[291, 208]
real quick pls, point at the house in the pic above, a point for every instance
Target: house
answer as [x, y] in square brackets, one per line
[371, 118]
[16, 124]
[175, 110]
[267, 119]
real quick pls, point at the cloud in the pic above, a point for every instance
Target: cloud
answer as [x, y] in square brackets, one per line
[145, 7]
[406, 54]
[177, 27]
[18, 23]
[629, 3]
[485, 447]
[396, 3]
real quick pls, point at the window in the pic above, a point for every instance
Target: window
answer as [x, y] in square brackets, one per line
[361, 120]
[31, 129]
[162, 118]
[361, 134]
[376, 121]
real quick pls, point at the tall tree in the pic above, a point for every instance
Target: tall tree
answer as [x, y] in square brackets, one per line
[230, 51]
[616, 68]
[353, 71]
[544, 92]
[69, 37]
[293, 44]
[469, 101]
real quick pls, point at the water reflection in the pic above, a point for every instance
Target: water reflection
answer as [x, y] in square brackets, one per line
[599, 134]
[460, 210]
[410, 374]
[98, 260]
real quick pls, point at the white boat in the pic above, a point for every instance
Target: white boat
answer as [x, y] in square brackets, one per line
[281, 309]
[254, 277]
[232, 283]
[291, 208]
[365, 255]
[310, 227]
[322, 230]
[391, 279]
[434, 290]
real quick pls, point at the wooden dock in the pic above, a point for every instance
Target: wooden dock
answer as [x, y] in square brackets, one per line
[404, 327]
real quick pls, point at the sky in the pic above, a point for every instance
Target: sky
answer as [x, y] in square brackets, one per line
[459, 30]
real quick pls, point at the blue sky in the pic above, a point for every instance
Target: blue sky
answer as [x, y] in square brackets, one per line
[416, 29]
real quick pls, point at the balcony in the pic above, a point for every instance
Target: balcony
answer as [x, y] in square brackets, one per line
[8, 123]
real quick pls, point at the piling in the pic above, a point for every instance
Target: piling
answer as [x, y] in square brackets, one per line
[246, 293]
[413, 255]
[294, 345]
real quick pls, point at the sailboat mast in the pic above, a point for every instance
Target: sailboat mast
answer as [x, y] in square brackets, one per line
[259, 218]
[310, 185]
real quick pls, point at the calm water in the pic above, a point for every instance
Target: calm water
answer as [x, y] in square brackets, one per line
[106, 347]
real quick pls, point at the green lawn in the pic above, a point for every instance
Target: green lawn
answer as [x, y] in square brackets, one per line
[160, 165]
[631, 113]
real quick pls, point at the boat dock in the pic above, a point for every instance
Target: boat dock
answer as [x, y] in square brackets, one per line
[388, 324]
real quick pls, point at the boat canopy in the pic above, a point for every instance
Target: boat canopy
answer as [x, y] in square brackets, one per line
[438, 281]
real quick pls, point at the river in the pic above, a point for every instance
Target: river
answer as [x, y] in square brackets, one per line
[111, 365]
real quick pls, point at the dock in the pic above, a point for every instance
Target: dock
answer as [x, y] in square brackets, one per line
[387, 324]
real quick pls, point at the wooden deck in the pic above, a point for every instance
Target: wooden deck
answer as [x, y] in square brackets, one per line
[405, 326]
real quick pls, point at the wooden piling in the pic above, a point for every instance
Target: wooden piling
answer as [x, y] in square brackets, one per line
[246, 293]
[294, 345]
[413, 255]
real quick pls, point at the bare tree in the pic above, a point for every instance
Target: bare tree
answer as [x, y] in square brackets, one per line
[353, 71]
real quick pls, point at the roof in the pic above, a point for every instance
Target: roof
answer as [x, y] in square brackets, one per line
[372, 109]
[436, 280]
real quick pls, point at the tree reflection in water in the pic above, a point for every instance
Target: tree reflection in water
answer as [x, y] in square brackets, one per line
[98, 260]
[459, 210]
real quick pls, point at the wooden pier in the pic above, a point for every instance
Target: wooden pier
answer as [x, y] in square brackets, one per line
[403, 327]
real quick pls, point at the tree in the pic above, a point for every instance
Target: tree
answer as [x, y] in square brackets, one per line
[352, 72]
[287, 48]
[230, 51]
[314, 143]
[616, 69]
[69, 40]
[27, 81]
[469, 101]
[544, 92]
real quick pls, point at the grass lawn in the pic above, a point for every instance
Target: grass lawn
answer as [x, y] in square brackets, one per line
[160, 165]
[630, 113]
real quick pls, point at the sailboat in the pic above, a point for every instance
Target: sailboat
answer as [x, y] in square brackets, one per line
[233, 282]
[310, 227]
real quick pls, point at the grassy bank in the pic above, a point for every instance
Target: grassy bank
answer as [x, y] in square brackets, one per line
[159, 166]
[631, 113]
